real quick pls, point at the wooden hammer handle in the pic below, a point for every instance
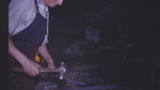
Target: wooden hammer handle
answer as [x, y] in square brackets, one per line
[19, 69]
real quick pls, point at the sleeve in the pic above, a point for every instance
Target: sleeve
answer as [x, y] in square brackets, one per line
[46, 36]
[17, 10]
[45, 39]
[40, 1]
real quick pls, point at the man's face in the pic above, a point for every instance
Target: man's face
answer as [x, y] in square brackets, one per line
[53, 3]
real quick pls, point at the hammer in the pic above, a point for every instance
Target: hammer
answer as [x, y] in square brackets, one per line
[61, 70]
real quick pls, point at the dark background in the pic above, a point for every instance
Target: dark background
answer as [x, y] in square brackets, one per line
[121, 22]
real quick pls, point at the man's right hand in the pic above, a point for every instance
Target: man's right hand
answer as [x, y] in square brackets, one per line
[30, 67]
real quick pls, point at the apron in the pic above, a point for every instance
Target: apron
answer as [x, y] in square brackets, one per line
[27, 41]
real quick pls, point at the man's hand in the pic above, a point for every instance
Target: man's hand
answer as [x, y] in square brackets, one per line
[30, 67]
[43, 51]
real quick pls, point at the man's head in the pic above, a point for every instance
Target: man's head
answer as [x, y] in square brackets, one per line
[52, 3]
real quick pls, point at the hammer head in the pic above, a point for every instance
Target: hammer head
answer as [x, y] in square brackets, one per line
[62, 70]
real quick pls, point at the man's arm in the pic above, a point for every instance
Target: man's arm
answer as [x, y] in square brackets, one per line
[30, 67]
[43, 51]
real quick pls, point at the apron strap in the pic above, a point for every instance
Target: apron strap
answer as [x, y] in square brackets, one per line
[36, 6]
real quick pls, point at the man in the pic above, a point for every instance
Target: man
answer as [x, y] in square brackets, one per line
[28, 33]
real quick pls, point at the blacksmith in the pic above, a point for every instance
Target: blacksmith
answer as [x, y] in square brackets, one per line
[27, 35]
